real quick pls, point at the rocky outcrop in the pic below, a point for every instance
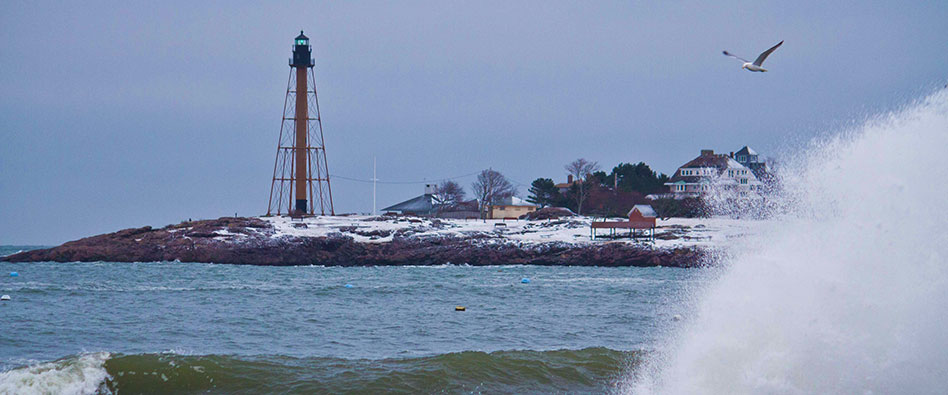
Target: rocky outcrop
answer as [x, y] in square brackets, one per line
[251, 241]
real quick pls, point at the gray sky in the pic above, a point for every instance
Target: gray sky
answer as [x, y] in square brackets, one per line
[123, 114]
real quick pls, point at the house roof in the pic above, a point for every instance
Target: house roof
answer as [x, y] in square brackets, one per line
[644, 209]
[513, 201]
[746, 151]
[566, 184]
[418, 204]
[719, 162]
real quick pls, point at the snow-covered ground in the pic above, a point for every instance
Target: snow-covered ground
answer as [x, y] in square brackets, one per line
[674, 232]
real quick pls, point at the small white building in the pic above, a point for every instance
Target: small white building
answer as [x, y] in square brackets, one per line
[510, 207]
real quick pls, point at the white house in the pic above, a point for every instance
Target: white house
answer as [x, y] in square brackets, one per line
[713, 173]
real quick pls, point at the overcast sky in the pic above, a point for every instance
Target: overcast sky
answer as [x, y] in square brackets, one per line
[123, 114]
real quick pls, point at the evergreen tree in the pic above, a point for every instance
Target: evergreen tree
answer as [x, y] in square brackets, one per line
[543, 192]
[639, 178]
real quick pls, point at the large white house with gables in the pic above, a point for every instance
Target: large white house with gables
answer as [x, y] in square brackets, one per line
[712, 173]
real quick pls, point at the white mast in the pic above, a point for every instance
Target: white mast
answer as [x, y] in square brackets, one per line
[374, 179]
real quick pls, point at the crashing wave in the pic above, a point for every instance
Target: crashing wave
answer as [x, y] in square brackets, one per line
[846, 291]
[84, 374]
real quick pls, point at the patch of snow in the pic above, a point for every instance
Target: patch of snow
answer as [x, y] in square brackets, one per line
[682, 232]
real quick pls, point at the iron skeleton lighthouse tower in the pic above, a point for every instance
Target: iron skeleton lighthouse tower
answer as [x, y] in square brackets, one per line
[300, 183]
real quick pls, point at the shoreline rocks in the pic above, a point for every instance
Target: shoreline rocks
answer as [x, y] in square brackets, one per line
[251, 241]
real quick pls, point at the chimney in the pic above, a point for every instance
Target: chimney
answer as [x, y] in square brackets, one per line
[732, 155]
[569, 179]
[430, 189]
[707, 152]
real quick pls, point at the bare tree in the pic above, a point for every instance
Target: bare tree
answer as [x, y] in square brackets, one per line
[490, 187]
[448, 194]
[581, 169]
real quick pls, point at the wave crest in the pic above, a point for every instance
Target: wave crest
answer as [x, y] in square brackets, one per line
[84, 374]
[586, 370]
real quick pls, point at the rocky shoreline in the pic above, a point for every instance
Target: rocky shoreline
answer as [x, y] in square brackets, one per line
[254, 241]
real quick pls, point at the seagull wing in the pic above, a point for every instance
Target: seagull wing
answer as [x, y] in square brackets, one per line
[765, 54]
[726, 53]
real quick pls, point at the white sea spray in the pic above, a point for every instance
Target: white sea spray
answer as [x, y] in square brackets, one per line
[847, 291]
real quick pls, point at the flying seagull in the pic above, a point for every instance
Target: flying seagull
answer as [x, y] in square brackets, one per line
[760, 59]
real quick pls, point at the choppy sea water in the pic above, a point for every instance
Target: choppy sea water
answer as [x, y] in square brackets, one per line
[189, 327]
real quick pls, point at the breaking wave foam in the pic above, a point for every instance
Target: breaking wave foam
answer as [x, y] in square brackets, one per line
[847, 290]
[84, 374]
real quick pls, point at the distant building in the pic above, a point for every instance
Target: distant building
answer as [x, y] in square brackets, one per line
[748, 158]
[642, 216]
[511, 207]
[563, 187]
[426, 205]
[714, 173]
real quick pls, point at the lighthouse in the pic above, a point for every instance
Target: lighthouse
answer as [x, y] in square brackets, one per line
[300, 183]
[301, 62]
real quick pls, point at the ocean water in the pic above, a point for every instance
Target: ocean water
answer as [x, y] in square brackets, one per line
[184, 327]
[846, 291]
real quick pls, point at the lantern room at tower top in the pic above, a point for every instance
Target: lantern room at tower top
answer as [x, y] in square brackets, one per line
[302, 52]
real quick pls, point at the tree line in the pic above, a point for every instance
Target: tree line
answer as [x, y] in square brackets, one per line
[595, 192]
[592, 192]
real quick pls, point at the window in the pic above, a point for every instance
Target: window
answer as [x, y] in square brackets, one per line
[743, 181]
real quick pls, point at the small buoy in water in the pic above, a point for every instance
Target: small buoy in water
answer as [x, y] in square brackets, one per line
[460, 308]
[14, 274]
[5, 297]
[676, 317]
[348, 285]
[525, 280]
